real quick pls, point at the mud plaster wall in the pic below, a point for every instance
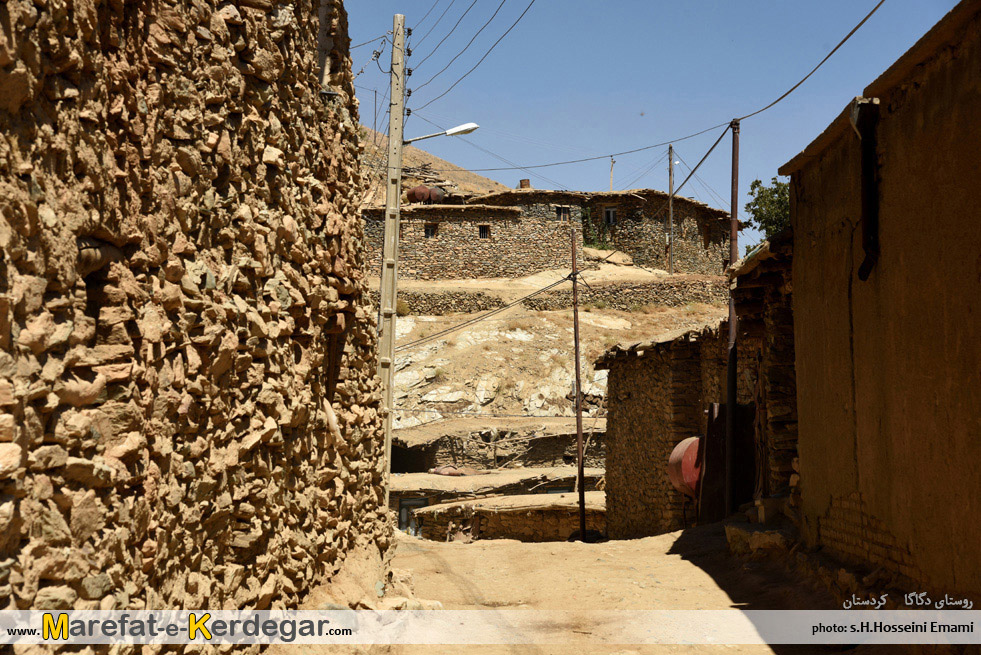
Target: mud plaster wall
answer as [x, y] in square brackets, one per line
[887, 369]
[180, 282]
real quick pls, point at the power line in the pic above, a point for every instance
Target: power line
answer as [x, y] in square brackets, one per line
[597, 157]
[821, 63]
[423, 19]
[465, 48]
[709, 129]
[508, 31]
[468, 323]
[644, 172]
[452, 29]
[452, 2]
[495, 155]
[458, 413]
[383, 36]
[712, 192]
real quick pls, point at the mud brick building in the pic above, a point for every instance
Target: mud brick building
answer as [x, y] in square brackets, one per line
[887, 281]
[523, 231]
[188, 407]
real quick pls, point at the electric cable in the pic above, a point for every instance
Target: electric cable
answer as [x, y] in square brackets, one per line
[465, 48]
[465, 75]
[468, 323]
[496, 156]
[430, 31]
[423, 19]
[820, 63]
[448, 34]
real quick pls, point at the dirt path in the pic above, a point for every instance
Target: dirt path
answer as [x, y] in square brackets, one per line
[690, 570]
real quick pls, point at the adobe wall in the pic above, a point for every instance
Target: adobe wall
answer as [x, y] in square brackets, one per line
[887, 369]
[189, 408]
[522, 242]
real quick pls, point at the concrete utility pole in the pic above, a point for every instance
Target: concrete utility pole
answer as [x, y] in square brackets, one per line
[390, 250]
[612, 161]
[580, 455]
[671, 209]
[731, 386]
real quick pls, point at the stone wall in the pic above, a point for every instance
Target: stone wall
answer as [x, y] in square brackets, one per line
[700, 233]
[656, 398]
[521, 241]
[186, 371]
[676, 291]
[440, 303]
[532, 524]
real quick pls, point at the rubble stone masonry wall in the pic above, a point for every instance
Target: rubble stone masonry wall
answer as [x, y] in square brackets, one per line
[517, 242]
[189, 412]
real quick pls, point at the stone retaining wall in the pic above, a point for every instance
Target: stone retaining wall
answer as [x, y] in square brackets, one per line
[670, 292]
[421, 303]
[530, 525]
[189, 408]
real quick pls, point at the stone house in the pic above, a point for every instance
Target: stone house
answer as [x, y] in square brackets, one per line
[660, 391]
[523, 231]
[887, 282]
[636, 222]
[188, 399]
[454, 241]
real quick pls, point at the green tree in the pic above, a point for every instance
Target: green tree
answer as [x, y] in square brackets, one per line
[769, 210]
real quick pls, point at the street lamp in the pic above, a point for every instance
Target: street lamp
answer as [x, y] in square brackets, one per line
[466, 128]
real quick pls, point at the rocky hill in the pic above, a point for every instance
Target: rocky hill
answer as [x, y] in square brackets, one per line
[418, 167]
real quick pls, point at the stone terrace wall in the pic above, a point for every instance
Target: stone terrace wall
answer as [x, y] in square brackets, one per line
[523, 241]
[440, 303]
[179, 297]
[670, 292]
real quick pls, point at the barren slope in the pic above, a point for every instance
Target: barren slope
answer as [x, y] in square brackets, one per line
[414, 163]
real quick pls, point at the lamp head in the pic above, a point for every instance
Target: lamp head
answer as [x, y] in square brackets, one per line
[466, 128]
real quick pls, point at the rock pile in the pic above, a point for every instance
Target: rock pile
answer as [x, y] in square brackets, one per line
[189, 408]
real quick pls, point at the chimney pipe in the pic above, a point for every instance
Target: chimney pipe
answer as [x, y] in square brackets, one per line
[524, 184]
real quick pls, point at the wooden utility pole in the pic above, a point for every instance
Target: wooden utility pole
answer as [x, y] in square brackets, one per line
[390, 249]
[731, 375]
[671, 209]
[579, 444]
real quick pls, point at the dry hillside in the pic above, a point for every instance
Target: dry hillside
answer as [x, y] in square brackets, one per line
[415, 166]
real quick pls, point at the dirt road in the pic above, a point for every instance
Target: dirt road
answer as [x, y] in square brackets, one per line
[689, 570]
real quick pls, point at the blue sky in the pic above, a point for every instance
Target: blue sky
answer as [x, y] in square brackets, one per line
[579, 78]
